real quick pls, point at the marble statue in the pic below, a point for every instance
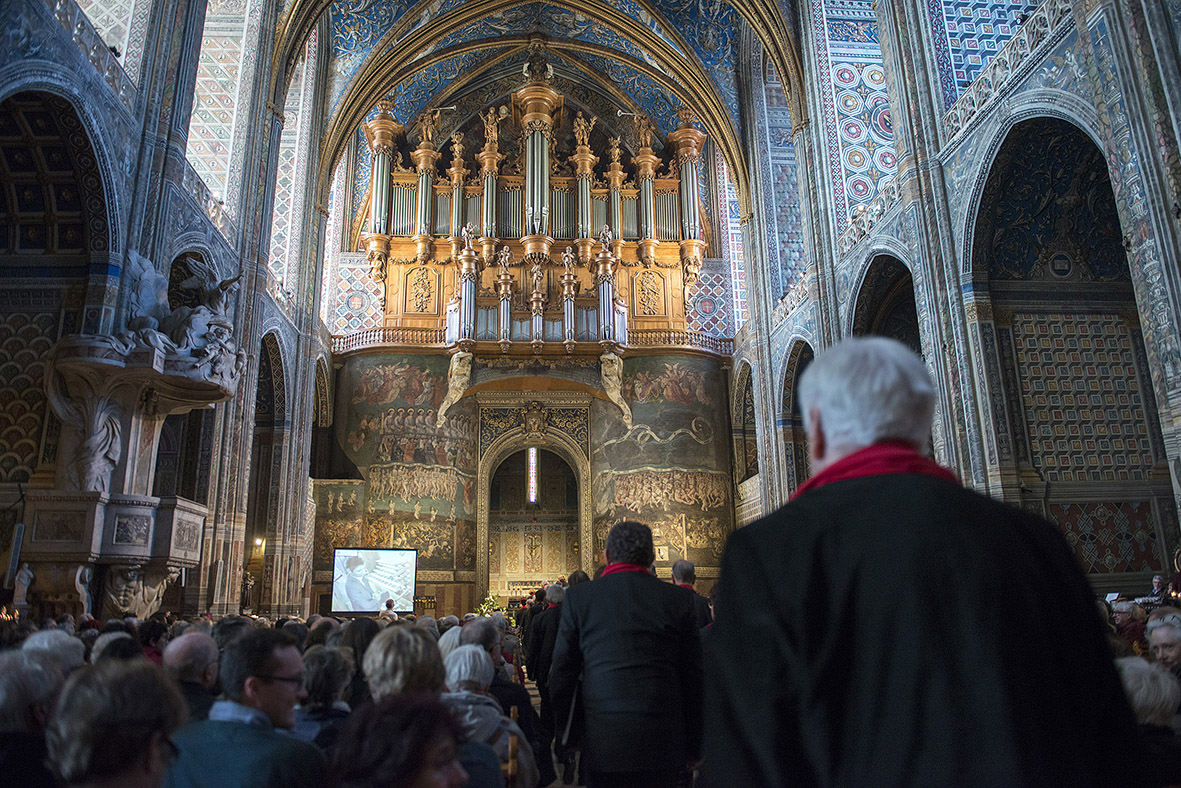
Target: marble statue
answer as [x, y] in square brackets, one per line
[611, 375]
[583, 128]
[20, 592]
[459, 376]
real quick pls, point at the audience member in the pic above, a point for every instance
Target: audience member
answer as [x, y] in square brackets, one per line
[67, 651]
[883, 598]
[121, 646]
[578, 577]
[400, 741]
[192, 662]
[104, 641]
[238, 746]
[429, 624]
[153, 636]
[541, 658]
[319, 631]
[484, 633]
[327, 673]
[356, 636]
[446, 623]
[1129, 619]
[29, 683]
[685, 576]
[407, 660]
[449, 640]
[1164, 634]
[112, 724]
[297, 630]
[1158, 587]
[1155, 695]
[535, 607]
[643, 730]
[469, 674]
[226, 630]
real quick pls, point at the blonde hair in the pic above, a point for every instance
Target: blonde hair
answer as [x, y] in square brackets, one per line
[403, 659]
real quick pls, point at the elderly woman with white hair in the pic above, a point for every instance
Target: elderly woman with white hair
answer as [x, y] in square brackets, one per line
[469, 674]
[1129, 619]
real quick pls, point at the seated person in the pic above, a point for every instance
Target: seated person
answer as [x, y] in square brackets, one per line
[112, 724]
[400, 741]
[469, 674]
[1154, 694]
[327, 674]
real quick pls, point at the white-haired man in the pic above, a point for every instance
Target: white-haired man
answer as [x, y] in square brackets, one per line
[1164, 638]
[881, 596]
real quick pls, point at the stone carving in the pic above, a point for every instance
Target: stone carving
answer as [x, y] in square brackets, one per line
[82, 577]
[537, 276]
[136, 590]
[20, 593]
[583, 128]
[457, 147]
[569, 260]
[503, 258]
[611, 372]
[605, 239]
[644, 129]
[649, 294]
[468, 234]
[132, 529]
[422, 290]
[613, 149]
[534, 418]
[491, 126]
[428, 125]
[459, 376]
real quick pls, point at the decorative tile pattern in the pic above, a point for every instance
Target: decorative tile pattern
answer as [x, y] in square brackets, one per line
[785, 184]
[112, 19]
[1081, 395]
[967, 34]
[211, 125]
[25, 341]
[329, 282]
[1110, 537]
[709, 304]
[361, 179]
[282, 215]
[732, 239]
[358, 297]
[859, 131]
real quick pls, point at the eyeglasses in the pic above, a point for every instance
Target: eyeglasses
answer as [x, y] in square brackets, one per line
[295, 681]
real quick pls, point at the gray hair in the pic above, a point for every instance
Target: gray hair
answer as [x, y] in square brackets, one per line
[189, 656]
[1153, 692]
[470, 668]
[555, 594]
[68, 651]
[28, 680]
[684, 572]
[1169, 621]
[104, 640]
[480, 632]
[449, 641]
[1132, 608]
[868, 389]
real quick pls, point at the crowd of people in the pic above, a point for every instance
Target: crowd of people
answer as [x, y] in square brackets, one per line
[862, 635]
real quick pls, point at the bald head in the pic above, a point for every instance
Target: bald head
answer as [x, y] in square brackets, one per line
[192, 657]
[684, 572]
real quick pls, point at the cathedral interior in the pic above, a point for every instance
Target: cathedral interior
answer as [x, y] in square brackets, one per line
[480, 278]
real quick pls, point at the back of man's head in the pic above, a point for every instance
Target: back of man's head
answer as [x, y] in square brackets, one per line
[630, 543]
[29, 683]
[251, 654]
[539, 597]
[192, 657]
[108, 718]
[555, 594]
[684, 572]
[480, 632]
[68, 651]
[228, 629]
[868, 389]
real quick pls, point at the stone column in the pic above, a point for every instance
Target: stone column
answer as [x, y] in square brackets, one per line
[689, 141]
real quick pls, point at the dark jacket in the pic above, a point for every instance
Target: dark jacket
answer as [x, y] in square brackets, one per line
[634, 640]
[866, 635]
[198, 698]
[220, 754]
[543, 637]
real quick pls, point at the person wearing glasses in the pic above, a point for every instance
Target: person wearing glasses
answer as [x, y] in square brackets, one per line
[112, 724]
[262, 678]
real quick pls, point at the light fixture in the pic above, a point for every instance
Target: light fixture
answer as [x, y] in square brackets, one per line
[532, 473]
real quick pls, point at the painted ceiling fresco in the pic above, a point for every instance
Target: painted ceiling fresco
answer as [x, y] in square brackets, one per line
[708, 27]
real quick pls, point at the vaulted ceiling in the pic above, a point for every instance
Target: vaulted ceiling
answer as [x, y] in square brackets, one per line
[649, 56]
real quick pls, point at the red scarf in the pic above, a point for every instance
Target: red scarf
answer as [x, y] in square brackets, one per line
[622, 567]
[551, 605]
[880, 459]
[686, 585]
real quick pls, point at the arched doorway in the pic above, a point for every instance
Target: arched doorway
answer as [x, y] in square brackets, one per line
[795, 440]
[532, 522]
[1079, 437]
[264, 538]
[885, 303]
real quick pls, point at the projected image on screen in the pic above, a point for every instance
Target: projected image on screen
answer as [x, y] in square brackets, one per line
[362, 580]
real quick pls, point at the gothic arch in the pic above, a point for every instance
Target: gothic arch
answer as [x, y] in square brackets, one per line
[791, 418]
[322, 416]
[885, 303]
[501, 449]
[743, 425]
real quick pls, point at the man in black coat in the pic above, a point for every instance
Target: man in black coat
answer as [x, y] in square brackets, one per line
[634, 641]
[865, 635]
[545, 634]
[685, 576]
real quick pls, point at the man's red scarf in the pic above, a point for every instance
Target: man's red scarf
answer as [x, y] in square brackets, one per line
[686, 585]
[622, 567]
[880, 459]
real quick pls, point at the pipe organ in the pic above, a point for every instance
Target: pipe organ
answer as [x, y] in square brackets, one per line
[572, 253]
